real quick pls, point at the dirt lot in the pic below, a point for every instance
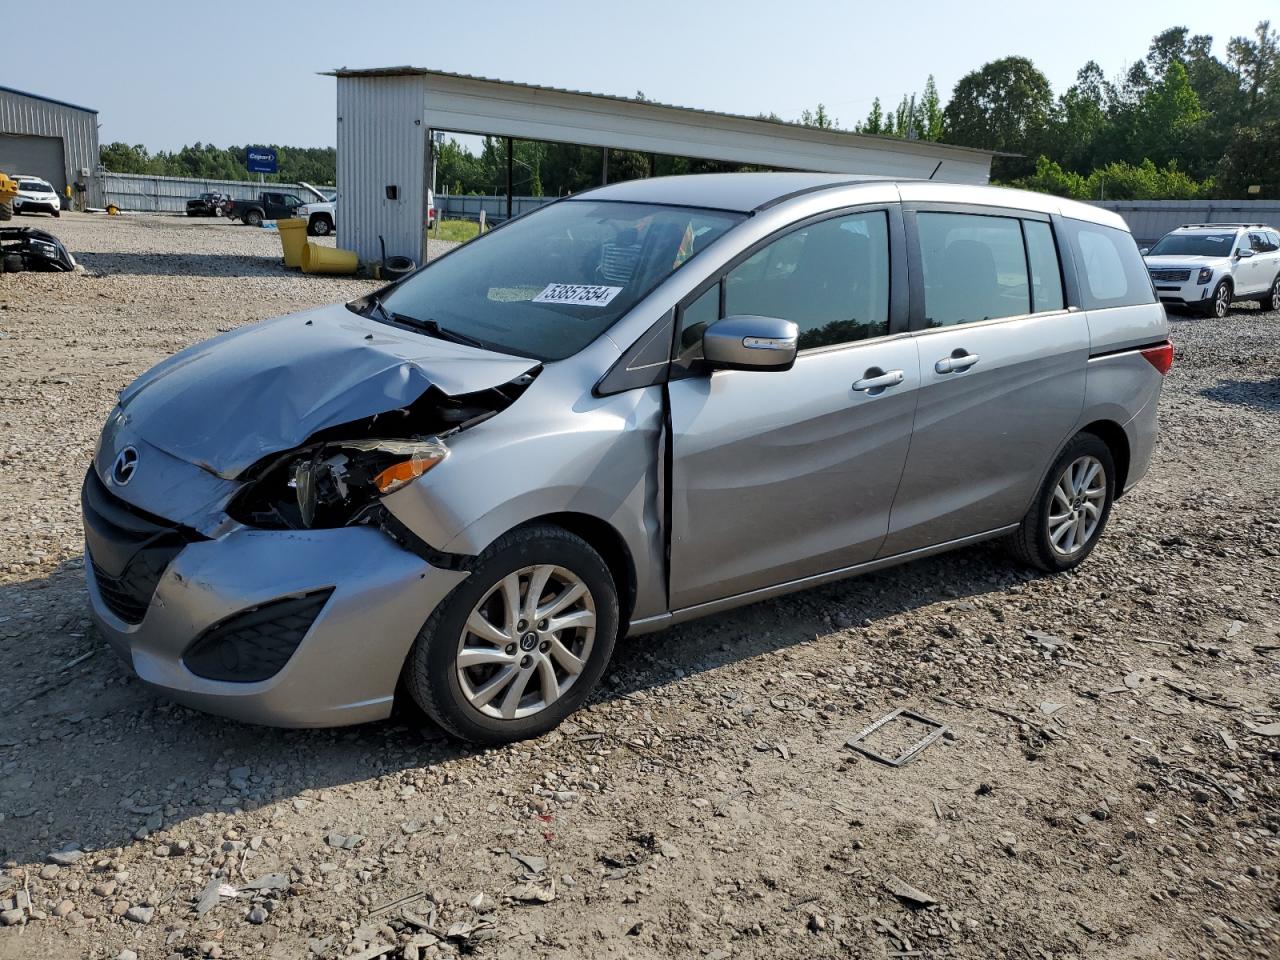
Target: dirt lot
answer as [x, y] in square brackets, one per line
[1108, 787]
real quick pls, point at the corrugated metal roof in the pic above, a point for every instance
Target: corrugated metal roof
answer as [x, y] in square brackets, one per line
[36, 96]
[408, 71]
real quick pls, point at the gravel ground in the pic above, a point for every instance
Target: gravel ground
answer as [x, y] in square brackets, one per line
[1107, 789]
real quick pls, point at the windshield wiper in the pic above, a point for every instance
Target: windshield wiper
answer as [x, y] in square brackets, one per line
[430, 327]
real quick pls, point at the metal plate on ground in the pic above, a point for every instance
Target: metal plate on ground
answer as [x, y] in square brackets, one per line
[858, 740]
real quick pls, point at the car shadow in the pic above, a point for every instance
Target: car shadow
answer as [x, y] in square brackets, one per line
[1259, 394]
[91, 758]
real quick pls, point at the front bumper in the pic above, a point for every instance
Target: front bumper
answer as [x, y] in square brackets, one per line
[1188, 293]
[27, 204]
[345, 669]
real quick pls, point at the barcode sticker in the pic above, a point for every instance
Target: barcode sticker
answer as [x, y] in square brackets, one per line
[579, 294]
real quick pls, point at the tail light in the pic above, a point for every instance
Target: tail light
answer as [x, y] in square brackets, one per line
[1160, 357]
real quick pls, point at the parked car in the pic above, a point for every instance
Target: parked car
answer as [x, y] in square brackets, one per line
[650, 402]
[270, 205]
[1208, 266]
[206, 205]
[36, 195]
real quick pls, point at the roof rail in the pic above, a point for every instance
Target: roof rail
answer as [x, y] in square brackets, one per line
[1265, 226]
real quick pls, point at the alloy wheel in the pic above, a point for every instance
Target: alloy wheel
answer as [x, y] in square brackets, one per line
[1221, 301]
[1078, 499]
[526, 642]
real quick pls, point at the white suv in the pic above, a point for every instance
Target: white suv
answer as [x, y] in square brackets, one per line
[1207, 266]
[36, 194]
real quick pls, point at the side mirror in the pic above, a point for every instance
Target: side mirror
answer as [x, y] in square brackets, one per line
[1144, 251]
[1243, 254]
[751, 343]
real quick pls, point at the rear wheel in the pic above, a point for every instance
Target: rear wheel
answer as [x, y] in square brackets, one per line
[252, 218]
[1069, 514]
[1271, 299]
[519, 644]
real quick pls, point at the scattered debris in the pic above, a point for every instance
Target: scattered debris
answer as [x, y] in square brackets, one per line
[542, 890]
[913, 897]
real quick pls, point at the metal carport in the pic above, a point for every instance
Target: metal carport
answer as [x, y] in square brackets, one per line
[386, 115]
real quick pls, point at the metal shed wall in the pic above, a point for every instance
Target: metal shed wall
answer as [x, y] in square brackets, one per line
[77, 128]
[1149, 220]
[378, 106]
[382, 142]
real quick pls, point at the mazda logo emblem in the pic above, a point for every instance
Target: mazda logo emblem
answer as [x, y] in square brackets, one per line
[126, 463]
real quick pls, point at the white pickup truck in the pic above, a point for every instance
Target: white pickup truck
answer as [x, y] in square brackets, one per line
[321, 213]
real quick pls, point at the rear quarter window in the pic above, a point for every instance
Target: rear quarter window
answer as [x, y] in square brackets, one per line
[1112, 272]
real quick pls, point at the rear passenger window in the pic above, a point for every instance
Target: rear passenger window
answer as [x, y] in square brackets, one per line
[830, 278]
[1112, 273]
[975, 268]
[1046, 276]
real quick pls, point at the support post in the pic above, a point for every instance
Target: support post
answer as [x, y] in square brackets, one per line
[510, 165]
[604, 167]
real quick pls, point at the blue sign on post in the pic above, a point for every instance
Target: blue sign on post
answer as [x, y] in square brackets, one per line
[260, 159]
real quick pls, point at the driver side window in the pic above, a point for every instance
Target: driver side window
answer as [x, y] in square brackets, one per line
[830, 278]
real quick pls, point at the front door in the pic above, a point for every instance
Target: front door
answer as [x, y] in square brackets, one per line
[781, 476]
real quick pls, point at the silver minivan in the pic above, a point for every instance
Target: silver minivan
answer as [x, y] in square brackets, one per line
[643, 404]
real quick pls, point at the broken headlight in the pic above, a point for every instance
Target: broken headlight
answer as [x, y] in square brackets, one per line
[333, 484]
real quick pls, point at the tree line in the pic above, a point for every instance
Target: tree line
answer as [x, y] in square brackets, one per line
[204, 161]
[1180, 123]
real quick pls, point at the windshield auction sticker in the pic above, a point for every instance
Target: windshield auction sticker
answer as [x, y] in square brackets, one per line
[579, 294]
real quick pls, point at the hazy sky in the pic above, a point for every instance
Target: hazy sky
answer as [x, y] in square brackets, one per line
[169, 72]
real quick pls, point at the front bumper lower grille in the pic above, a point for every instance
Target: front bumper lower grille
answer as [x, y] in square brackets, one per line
[128, 548]
[255, 644]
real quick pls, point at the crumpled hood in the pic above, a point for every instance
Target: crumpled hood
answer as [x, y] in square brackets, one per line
[226, 403]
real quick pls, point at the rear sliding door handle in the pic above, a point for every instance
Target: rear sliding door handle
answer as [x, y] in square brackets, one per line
[878, 381]
[955, 364]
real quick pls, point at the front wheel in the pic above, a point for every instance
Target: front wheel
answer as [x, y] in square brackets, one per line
[57, 213]
[1220, 305]
[521, 643]
[320, 227]
[1271, 299]
[1070, 512]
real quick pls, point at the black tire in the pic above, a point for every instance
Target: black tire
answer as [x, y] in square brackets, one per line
[1219, 305]
[320, 227]
[6, 210]
[431, 675]
[12, 263]
[1271, 299]
[252, 218]
[1031, 543]
[57, 213]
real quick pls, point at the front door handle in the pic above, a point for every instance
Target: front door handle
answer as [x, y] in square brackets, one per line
[955, 364]
[875, 380]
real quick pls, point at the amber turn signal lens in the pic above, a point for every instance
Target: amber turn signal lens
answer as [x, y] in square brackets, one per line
[398, 474]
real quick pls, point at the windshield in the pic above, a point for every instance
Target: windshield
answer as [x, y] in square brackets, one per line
[1193, 245]
[548, 284]
[35, 186]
